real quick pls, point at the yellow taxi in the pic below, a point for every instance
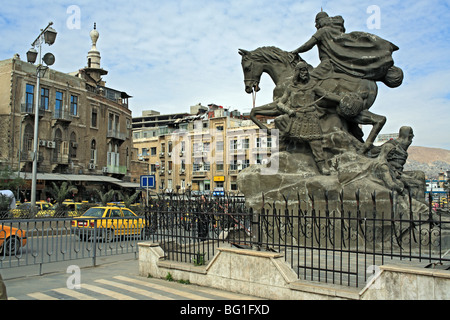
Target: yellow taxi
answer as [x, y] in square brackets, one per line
[44, 209]
[11, 240]
[108, 222]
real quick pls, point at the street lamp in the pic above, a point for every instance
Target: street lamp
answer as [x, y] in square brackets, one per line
[48, 35]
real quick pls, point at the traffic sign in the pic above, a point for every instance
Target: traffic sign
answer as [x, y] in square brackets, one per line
[148, 181]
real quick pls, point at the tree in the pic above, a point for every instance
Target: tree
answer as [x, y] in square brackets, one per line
[9, 180]
[106, 197]
[128, 200]
[60, 193]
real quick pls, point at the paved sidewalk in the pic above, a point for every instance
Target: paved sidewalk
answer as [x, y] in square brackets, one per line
[118, 280]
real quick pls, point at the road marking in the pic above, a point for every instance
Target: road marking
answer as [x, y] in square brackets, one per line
[143, 292]
[184, 294]
[41, 296]
[75, 294]
[107, 292]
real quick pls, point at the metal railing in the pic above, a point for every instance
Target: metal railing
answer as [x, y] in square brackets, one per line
[340, 246]
[190, 229]
[27, 242]
[322, 239]
[347, 247]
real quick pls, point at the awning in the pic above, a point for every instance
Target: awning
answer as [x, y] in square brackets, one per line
[78, 177]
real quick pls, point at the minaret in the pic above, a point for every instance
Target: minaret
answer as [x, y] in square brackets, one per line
[93, 68]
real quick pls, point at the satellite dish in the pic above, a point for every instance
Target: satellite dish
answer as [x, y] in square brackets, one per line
[49, 59]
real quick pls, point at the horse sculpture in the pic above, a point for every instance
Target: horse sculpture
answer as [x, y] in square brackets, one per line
[279, 65]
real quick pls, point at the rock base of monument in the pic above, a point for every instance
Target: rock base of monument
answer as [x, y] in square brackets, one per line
[291, 176]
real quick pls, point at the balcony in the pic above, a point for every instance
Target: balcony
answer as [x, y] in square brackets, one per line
[116, 169]
[58, 158]
[29, 109]
[114, 134]
[200, 173]
[62, 116]
[28, 156]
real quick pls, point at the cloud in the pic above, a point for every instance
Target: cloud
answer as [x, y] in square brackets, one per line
[172, 54]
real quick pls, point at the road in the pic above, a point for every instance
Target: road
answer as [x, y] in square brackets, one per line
[117, 280]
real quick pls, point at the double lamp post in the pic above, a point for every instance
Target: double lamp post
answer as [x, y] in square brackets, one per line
[48, 36]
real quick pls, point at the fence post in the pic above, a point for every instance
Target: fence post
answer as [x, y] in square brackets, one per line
[94, 254]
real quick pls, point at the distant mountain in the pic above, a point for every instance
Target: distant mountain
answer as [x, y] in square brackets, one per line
[432, 161]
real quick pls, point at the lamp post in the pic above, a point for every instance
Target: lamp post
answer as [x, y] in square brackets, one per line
[48, 35]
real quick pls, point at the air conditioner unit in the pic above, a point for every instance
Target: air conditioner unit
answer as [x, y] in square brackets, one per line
[169, 154]
[42, 143]
[182, 171]
[105, 169]
[169, 171]
[181, 153]
[51, 144]
[91, 166]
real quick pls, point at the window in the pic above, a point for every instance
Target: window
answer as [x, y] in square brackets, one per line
[145, 151]
[245, 143]
[110, 122]
[258, 143]
[44, 99]
[93, 152]
[29, 98]
[153, 151]
[233, 145]
[219, 166]
[94, 118]
[59, 104]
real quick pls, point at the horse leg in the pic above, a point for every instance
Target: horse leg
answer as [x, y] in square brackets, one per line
[378, 122]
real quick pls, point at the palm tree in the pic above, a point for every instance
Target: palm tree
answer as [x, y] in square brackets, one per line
[106, 197]
[60, 193]
[128, 200]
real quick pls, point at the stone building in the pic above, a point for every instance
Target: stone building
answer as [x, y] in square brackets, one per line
[84, 126]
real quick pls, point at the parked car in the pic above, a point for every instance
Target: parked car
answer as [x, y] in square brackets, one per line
[11, 240]
[44, 209]
[108, 222]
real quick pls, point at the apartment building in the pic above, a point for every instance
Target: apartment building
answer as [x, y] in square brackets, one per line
[204, 151]
[84, 127]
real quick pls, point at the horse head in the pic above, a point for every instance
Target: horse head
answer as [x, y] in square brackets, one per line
[252, 71]
[277, 63]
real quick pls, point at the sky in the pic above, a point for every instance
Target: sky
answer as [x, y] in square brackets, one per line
[172, 54]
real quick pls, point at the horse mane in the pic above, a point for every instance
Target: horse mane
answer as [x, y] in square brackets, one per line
[270, 54]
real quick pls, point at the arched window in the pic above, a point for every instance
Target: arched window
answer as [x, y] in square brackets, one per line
[28, 138]
[58, 141]
[73, 145]
[93, 152]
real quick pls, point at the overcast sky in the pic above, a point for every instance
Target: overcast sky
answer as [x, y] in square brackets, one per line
[172, 54]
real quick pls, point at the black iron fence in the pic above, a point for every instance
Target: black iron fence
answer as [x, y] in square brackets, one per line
[341, 245]
[322, 238]
[190, 229]
[346, 247]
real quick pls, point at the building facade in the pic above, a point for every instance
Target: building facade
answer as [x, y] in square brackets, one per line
[202, 152]
[84, 126]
